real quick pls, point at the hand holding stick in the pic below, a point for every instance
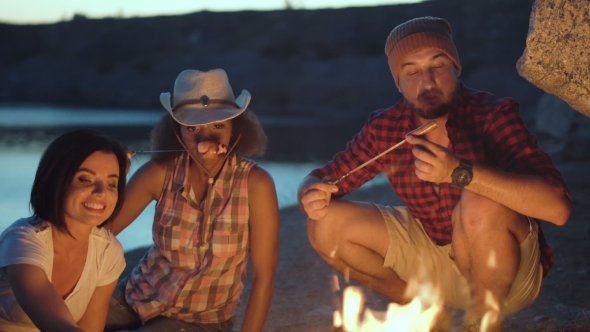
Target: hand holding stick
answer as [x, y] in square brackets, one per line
[422, 130]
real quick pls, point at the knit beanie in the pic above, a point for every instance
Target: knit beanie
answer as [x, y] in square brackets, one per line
[415, 35]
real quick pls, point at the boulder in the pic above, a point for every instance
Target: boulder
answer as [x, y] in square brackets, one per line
[557, 56]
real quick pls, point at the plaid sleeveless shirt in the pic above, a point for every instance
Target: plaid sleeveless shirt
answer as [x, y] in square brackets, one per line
[196, 270]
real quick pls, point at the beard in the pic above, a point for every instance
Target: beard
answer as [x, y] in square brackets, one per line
[430, 112]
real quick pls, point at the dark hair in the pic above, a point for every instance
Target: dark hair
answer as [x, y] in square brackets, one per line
[58, 165]
[246, 126]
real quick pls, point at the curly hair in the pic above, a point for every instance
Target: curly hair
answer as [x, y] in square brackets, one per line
[252, 139]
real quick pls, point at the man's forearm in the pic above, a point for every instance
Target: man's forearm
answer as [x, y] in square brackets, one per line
[529, 195]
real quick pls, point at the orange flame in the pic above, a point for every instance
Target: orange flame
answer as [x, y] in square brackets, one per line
[417, 316]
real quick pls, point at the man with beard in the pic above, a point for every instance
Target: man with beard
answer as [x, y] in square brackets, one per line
[474, 189]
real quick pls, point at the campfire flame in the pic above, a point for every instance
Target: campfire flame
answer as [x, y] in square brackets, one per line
[424, 313]
[492, 316]
[417, 316]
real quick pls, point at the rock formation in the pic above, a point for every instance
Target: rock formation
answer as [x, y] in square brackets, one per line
[557, 54]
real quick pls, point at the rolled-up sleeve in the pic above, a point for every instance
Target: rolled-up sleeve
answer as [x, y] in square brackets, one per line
[516, 149]
[359, 150]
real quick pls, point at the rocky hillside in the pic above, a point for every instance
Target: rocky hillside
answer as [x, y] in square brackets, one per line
[325, 65]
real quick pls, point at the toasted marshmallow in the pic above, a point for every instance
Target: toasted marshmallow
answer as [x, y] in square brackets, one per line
[204, 147]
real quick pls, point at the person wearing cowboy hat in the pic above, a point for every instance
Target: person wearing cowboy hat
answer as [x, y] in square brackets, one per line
[214, 207]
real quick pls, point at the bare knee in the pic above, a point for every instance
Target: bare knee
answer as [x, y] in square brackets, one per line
[323, 235]
[312, 233]
[474, 211]
[475, 214]
[346, 224]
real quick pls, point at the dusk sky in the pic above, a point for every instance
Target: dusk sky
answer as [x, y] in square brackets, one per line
[51, 11]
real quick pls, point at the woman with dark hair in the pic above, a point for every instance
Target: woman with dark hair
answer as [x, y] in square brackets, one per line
[214, 209]
[58, 268]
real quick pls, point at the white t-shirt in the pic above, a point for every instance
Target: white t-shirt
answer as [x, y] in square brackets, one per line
[28, 241]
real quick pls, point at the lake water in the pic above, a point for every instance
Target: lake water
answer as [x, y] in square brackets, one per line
[26, 131]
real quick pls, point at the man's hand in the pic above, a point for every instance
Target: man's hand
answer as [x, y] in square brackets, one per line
[315, 199]
[434, 163]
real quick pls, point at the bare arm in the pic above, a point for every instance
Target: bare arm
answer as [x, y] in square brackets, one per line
[527, 194]
[144, 187]
[39, 299]
[264, 246]
[95, 316]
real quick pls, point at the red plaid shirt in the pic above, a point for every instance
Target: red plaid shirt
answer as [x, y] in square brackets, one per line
[483, 128]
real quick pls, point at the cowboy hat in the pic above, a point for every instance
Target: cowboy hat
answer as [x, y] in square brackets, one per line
[203, 97]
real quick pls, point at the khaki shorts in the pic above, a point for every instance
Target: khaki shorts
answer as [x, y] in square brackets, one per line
[413, 256]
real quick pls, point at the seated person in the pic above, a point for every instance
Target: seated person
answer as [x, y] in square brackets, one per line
[58, 268]
[214, 209]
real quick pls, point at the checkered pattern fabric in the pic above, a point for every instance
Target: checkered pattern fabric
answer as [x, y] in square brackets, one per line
[196, 270]
[483, 128]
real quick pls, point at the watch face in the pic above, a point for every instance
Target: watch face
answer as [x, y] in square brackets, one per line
[462, 177]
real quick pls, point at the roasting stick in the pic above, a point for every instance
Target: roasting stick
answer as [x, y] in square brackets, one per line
[422, 130]
[338, 292]
[133, 153]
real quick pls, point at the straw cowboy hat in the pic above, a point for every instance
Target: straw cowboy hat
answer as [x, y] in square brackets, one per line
[203, 97]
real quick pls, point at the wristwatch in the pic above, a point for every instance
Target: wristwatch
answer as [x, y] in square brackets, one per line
[462, 174]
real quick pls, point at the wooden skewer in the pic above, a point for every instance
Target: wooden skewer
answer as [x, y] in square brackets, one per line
[155, 151]
[422, 130]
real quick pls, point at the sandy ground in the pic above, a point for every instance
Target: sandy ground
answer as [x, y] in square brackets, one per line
[304, 300]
